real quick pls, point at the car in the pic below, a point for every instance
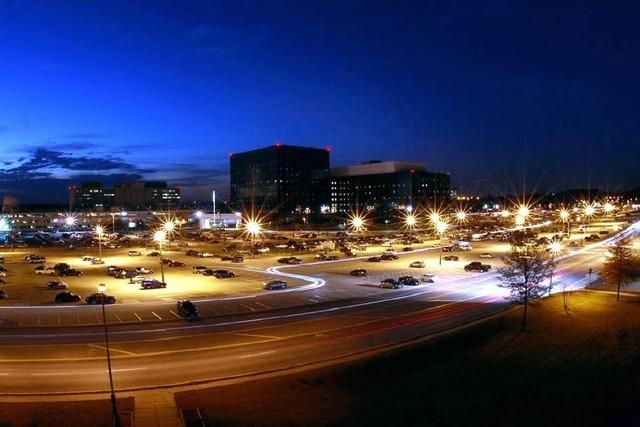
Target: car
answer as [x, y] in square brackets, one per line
[143, 270]
[97, 261]
[61, 266]
[1, 260]
[100, 298]
[465, 248]
[199, 269]
[373, 259]
[176, 264]
[154, 253]
[390, 284]
[417, 264]
[138, 279]
[66, 296]
[407, 249]
[206, 255]
[44, 269]
[134, 253]
[3, 294]
[186, 309]
[408, 281]
[451, 258]
[237, 259]
[477, 266]
[123, 274]
[112, 268]
[331, 258]
[388, 257]
[275, 285]
[389, 252]
[193, 252]
[70, 272]
[2, 282]
[88, 258]
[223, 274]
[56, 285]
[447, 249]
[153, 284]
[34, 259]
[485, 255]
[428, 278]
[358, 272]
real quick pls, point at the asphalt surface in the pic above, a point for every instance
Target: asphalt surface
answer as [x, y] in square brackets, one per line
[336, 316]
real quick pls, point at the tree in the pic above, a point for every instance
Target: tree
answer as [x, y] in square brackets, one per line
[524, 273]
[621, 267]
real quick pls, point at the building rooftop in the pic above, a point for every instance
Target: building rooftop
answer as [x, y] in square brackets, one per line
[377, 167]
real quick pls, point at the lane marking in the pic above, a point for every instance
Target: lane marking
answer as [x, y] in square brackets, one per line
[246, 356]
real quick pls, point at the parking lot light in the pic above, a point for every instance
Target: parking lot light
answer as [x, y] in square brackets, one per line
[114, 407]
[159, 237]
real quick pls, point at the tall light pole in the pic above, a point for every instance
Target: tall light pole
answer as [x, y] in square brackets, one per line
[555, 248]
[159, 237]
[253, 228]
[99, 233]
[441, 227]
[565, 216]
[114, 406]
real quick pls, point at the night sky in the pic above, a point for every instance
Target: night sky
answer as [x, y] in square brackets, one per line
[166, 90]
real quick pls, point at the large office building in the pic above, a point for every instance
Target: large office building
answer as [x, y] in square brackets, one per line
[132, 195]
[383, 186]
[276, 178]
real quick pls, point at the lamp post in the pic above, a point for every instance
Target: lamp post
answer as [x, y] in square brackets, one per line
[555, 248]
[159, 237]
[99, 233]
[114, 406]
[565, 216]
[113, 222]
[441, 227]
[253, 228]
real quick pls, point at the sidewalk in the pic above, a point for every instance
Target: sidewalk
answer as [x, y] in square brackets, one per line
[156, 410]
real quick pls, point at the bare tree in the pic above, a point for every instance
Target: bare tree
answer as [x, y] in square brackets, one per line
[524, 273]
[621, 267]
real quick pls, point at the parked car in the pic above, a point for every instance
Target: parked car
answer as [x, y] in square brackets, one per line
[45, 269]
[428, 278]
[143, 270]
[388, 257]
[390, 284]
[447, 249]
[88, 258]
[176, 264]
[358, 272]
[56, 285]
[223, 274]
[100, 298]
[408, 281]
[186, 309]
[66, 296]
[451, 258]
[374, 259]
[477, 266]
[70, 272]
[275, 285]
[138, 279]
[153, 284]
[485, 255]
[238, 259]
[3, 294]
[154, 253]
[417, 264]
[407, 249]
[35, 259]
[134, 253]
[199, 269]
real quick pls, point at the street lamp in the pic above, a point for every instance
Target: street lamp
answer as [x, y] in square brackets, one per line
[461, 216]
[555, 248]
[523, 211]
[520, 220]
[410, 221]
[608, 207]
[99, 233]
[253, 228]
[114, 407]
[434, 217]
[589, 211]
[441, 227]
[505, 213]
[160, 236]
[565, 216]
[357, 223]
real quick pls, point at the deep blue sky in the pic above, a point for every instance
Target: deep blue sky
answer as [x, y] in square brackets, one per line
[165, 90]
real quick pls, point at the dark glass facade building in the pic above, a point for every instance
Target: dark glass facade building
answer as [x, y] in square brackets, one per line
[276, 178]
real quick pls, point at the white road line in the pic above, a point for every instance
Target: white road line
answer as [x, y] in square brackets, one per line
[262, 305]
[175, 314]
[246, 356]
[156, 315]
[136, 314]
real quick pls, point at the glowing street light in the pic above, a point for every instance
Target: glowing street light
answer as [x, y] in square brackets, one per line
[565, 216]
[461, 216]
[589, 210]
[608, 207]
[410, 221]
[520, 220]
[253, 229]
[160, 237]
[505, 213]
[70, 220]
[523, 211]
[357, 222]
[169, 226]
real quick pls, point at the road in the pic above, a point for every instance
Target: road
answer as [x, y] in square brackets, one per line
[348, 317]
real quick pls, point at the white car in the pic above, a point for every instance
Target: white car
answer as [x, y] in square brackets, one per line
[207, 255]
[465, 248]
[134, 253]
[262, 250]
[138, 279]
[389, 252]
[143, 270]
[45, 269]
[417, 264]
[485, 255]
[88, 258]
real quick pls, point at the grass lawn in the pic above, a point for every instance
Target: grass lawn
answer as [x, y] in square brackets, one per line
[576, 368]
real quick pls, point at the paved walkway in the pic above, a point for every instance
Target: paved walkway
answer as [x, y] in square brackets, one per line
[156, 410]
